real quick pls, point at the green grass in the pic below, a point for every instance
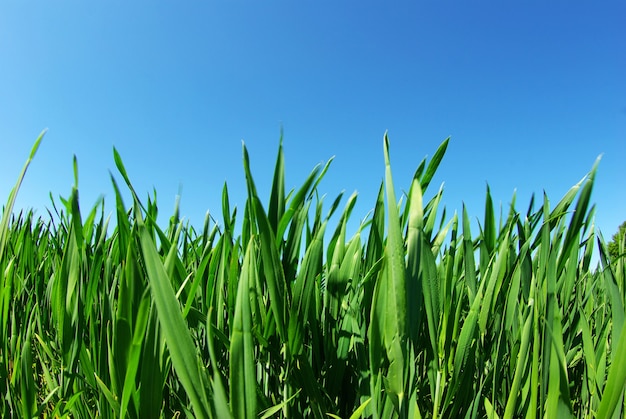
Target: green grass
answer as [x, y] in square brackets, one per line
[276, 312]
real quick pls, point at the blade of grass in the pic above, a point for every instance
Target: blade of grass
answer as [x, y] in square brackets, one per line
[176, 332]
[616, 381]
[8, 209]
[242, 364]
[395, 333]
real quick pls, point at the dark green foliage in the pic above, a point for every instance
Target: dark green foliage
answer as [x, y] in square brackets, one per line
[618, 239]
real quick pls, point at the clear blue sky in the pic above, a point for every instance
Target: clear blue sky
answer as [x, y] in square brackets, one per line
[530, 92]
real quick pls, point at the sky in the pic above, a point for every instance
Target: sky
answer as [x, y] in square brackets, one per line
[530, 93]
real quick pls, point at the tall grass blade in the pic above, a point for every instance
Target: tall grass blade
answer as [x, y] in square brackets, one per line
[176, 332]
[242, 364]
[8, 209]
[395, 332]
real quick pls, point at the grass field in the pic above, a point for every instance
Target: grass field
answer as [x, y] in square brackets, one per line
[274, 311]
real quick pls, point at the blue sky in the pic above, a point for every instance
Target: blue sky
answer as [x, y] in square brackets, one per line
[529, 92]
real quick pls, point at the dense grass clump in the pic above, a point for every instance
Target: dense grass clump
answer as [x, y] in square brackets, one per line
[413, 316]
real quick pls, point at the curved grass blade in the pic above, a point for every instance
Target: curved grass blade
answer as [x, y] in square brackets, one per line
[616, 383]
[220, 401]
[434, 164]
[580, 213]
[8, 209]
[175, 330]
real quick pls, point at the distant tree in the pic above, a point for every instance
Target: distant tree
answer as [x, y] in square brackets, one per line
[613, 245]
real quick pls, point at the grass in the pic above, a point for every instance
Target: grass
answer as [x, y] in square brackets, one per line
[415, 315]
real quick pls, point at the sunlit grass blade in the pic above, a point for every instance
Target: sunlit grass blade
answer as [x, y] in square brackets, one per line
[277, 195]
[580, 213]
[242, 364]
[395, 333]
[434, 164]
[415, 292]
[177, 335]
[297, 199]
[469, 261]
[616, 382]
[110, 397]
[274, 275]
[8, 209]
